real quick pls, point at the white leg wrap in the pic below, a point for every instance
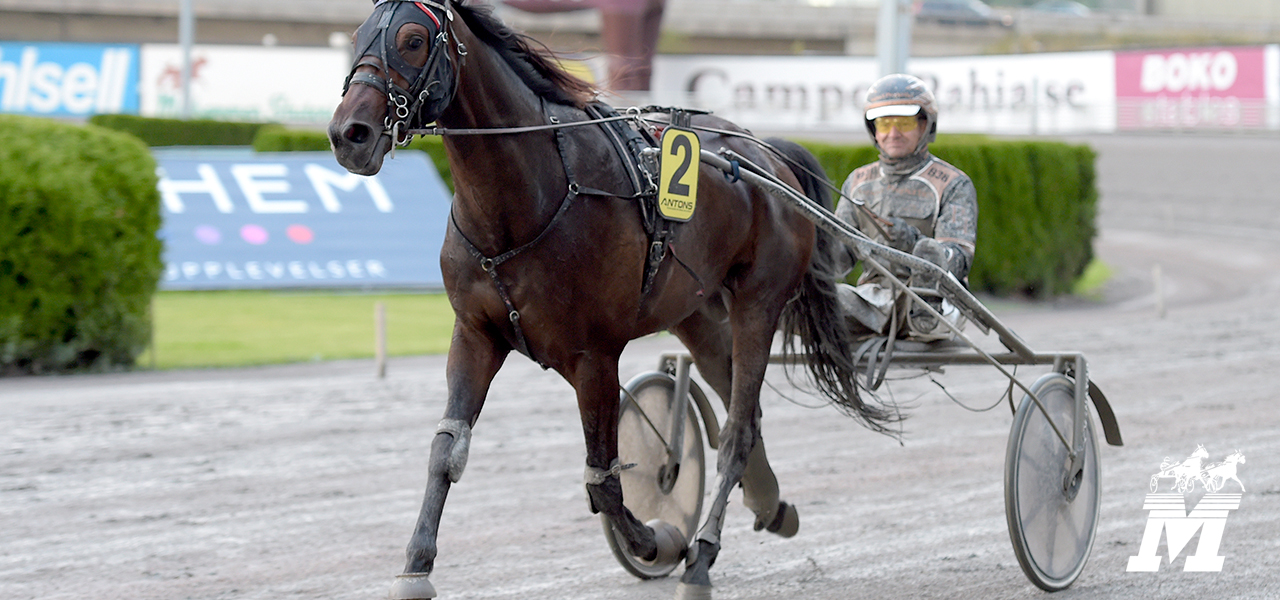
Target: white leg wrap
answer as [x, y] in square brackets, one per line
[457, 460]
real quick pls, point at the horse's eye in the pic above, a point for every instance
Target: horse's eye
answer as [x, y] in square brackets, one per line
[415, 43]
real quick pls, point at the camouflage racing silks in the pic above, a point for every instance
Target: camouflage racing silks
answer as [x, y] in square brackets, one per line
[927, 193]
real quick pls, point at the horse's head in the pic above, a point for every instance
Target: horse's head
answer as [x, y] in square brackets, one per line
[403, 77]
[1200, 452]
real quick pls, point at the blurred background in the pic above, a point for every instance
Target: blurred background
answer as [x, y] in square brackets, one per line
[1004, 67]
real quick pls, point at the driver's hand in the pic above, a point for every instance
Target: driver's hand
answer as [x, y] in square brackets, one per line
[902, 235]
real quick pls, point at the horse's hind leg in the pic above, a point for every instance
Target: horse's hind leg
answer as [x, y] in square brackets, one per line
[708, 338]
[474, 359]
[753, 328]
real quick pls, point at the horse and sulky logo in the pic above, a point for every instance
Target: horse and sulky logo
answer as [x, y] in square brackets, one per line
[1169, 514]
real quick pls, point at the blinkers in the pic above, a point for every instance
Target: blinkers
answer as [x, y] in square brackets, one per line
[431, 87]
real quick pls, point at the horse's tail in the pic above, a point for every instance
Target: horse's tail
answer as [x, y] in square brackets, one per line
[815, 317]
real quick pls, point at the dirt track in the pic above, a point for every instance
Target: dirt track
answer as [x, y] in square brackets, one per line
[304, 481]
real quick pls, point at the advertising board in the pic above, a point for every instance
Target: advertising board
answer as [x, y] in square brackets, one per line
[1039, 93]
[239, 220]
[1219, 88]
[1271, 57]
[771, 93]
[1063, 92]
[68, 80]
[246, 83]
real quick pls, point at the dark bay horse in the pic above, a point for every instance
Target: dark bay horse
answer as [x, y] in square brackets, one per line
[546, 252]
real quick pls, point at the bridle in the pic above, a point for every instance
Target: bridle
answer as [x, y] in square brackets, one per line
[431, 86]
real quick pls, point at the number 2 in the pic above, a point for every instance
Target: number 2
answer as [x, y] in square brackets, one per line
[676, 188]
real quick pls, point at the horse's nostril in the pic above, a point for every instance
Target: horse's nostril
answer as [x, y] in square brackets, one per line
[357, 133]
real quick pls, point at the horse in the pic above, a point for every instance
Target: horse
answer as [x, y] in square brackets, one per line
[1217, 475]
[546, 254]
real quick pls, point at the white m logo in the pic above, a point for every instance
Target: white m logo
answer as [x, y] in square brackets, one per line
[1169, 516]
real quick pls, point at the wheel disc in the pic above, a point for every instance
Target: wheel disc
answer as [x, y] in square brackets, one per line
[644, 423]
[1052, 528]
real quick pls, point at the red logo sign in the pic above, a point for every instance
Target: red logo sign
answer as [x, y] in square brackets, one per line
[1191, 88]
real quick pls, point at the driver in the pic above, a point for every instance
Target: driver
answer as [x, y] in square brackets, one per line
[910, 200]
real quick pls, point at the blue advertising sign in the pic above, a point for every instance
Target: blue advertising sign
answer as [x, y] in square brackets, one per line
[68, 80]
[240, 220]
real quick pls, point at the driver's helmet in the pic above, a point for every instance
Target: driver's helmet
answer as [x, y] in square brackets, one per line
[901, 95]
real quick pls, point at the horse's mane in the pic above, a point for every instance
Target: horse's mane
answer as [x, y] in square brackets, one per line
[531, 60]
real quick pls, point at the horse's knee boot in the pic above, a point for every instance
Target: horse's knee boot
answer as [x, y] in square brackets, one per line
[455, 460]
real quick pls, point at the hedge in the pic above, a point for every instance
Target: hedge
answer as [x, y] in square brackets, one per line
[280, 139]
[1036, 201]
[1036, 207]
[79, 256]
[176, 132]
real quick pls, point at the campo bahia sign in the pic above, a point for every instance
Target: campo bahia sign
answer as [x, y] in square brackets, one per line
[235, 220]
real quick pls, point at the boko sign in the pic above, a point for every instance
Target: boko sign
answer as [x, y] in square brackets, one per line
[629, 30]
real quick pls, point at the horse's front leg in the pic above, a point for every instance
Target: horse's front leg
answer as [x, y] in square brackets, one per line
[474, 359]
[595, 378]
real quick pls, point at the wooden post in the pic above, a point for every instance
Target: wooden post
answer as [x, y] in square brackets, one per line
[1157, 278]
[380, 338]
[153, 332]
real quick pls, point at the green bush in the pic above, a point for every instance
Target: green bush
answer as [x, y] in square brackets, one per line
[79, 256]
[280, 139]
[178, 132]
[1036, 207]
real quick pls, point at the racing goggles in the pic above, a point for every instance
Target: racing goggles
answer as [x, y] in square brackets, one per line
[903, 124]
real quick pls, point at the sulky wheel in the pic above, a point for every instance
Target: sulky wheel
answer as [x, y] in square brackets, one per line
[644, 423]
[1052, 518]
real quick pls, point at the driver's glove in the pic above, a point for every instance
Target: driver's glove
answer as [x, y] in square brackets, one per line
[902, 235]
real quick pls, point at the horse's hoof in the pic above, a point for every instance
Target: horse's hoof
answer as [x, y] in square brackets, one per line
[787, 522]
[412, 586]
[671, 543]
[690, 591]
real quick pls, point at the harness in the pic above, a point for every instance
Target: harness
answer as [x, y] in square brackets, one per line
[629, 145]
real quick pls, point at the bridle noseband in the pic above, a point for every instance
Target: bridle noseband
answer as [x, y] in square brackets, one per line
[431, 86]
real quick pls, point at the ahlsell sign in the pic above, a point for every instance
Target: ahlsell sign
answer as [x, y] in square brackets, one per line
[244, 220]
[1219, 88]
[68, 80]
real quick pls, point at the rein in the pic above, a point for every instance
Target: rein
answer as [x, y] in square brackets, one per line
[443, 131]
